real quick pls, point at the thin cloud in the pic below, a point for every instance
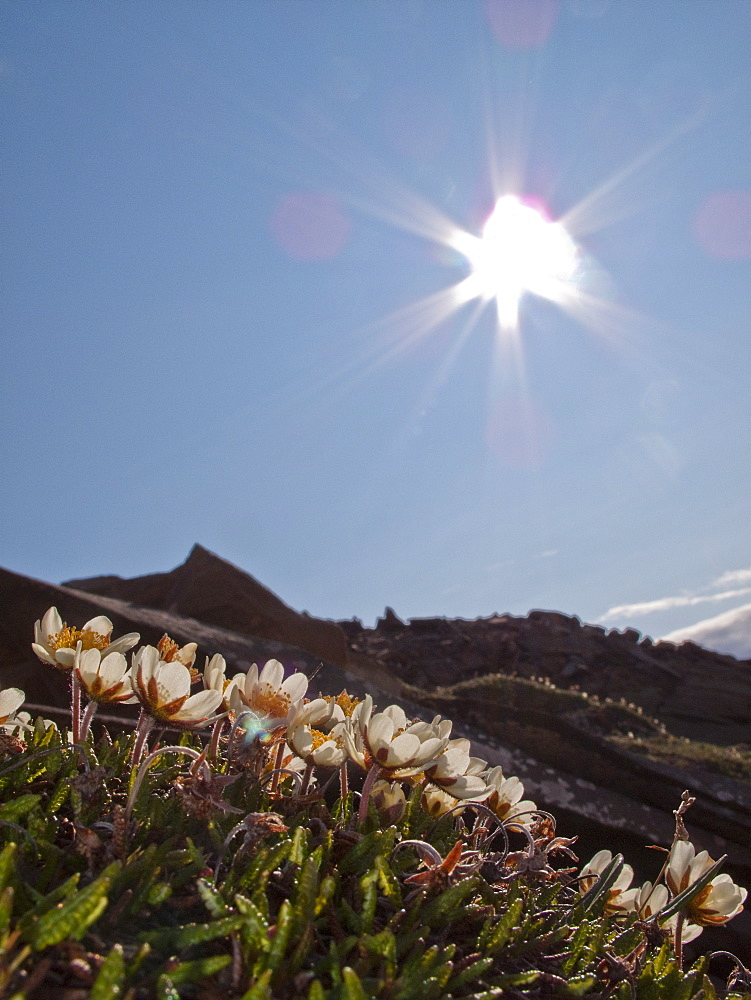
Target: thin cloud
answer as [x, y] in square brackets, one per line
[733, 576]
[668, 603]
[729, 632]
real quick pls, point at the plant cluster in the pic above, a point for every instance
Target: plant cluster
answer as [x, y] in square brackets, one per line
[287, 847]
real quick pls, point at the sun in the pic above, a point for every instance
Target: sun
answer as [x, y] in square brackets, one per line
[520, 251]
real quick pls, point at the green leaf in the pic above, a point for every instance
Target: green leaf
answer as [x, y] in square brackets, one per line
[165, 988]
[284, 925]
[70, 920]
[578, 946]
[299, 849]
[502, 930]
[325, 895]
[307, 889]
[438, 910]
[315, 992]
[6, 910]
[388, 881]
[260, 990]
[11, 812]
[58, 797]
[360, 858]
[369, 891]
[383, 946]
[471, 972]
[352, 987]
[200, 968]
[158, 894]
[211, 898]
[180, 938]
[7, 864]
[110, 979]
[578, 986]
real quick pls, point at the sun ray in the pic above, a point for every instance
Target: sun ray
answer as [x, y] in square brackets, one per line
[594, 211]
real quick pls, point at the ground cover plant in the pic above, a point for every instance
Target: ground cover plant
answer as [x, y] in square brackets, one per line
[248, 841]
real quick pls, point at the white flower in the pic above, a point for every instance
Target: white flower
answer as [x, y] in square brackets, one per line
[170, 651]
[105, 678]
[648, 902]
[620, 899]
[505, 799]
[719, 901]
[437, 803]
[55, 642]
[315, 747]
[163, 688]
[389, 799]
[459, 774]
[267, 694]
[400, 748]
[11, 700]
[215, 679]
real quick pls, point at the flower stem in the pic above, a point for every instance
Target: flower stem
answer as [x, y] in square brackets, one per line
[277, 766]
[88, 715]
[343, 781]
[370, 779]
[216, 734]
[679, 940]
[75, 706]
[306, 779]
[143, 728]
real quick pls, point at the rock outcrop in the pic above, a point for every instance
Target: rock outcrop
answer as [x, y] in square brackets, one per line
[212, 590]
[696, 693]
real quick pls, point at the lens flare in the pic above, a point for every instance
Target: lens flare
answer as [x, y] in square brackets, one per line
[255, 728]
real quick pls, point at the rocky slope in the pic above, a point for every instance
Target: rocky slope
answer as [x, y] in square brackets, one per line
[584, 717]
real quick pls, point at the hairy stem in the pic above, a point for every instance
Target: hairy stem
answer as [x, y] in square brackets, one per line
[216, 734]
[143, 728]
[75, 706]
[88, 715]
[370, 779]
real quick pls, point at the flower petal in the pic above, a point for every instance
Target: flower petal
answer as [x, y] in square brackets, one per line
[52, 623]
[43, 654]
[101, 624]
[122, 645]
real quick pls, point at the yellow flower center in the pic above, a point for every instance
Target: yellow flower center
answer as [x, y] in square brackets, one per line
[318, 738]
[270, 701]
[68, 637]
[168, 648]
[345, 702]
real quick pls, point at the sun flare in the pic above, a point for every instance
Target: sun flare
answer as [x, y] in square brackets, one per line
[520, 251]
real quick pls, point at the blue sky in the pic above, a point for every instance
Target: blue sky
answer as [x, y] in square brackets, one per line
[226, 231]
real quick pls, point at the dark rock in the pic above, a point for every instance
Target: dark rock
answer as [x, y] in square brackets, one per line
[390, 621]
[214, 591]
[25, 600]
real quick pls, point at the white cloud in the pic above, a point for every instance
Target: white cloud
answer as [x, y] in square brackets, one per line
[733, 576]
[729, 632]
[687, 600]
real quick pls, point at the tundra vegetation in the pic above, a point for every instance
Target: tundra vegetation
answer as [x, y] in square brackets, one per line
[249, 841]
